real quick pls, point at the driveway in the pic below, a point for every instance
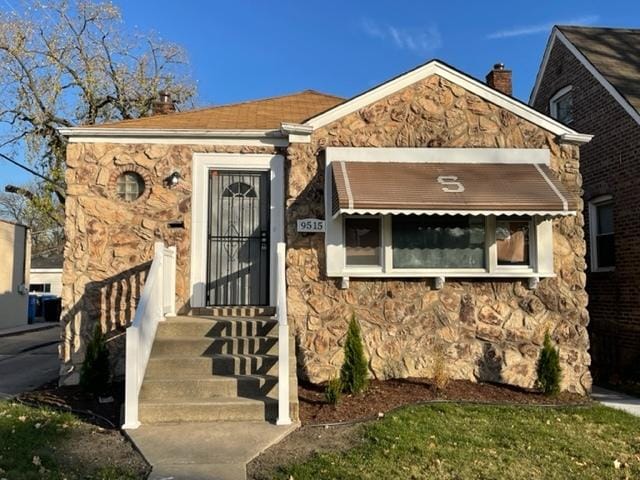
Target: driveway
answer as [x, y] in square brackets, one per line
[28, 360]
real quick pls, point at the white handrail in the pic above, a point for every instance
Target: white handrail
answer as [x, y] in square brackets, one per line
[156, 301]
[284, 417]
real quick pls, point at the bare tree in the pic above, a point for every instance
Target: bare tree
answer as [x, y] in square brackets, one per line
[47, 235]
[72, 62]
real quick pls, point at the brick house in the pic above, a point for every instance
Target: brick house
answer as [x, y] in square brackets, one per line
[439, 210]
[590, 80]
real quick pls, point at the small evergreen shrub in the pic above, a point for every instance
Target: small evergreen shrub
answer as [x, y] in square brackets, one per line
[95, 373]
[549, 371]
[354, 371]
[333, 391]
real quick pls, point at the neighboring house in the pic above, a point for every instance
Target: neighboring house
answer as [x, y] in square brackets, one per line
[452, 221]
[15, 246]
[590, 80]
[46, 275]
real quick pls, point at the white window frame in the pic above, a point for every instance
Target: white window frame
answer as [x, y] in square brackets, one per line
[553, 102]
[376, 268]
[593, 232]
[532, 246]
[541, 241]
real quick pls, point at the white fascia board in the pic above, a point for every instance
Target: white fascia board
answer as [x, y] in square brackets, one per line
[539, 156]
[297, 132]
[559, 36]
[46, 270]
[175, 136]
[462, 80]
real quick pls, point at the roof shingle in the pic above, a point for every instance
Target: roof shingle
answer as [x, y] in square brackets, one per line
[262, 114]
[615, 53]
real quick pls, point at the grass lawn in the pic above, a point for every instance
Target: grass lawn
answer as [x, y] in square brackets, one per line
[450, 441]
[38, 443]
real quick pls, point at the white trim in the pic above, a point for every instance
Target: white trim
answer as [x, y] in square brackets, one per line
[472, 85]
[594, 203]
[556, 34]
[388, 211]
[46, 270]
[182, 136]
[439, 155]
[565, 204]
[553, 101]
[201, 164]
[347, 184]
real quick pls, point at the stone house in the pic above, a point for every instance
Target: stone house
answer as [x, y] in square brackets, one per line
[441, 212]
[589, 79]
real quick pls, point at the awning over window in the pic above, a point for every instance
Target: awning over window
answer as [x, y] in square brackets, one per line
[449, 188]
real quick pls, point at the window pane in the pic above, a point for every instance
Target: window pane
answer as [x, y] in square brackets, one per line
[512, 240]
[362, 239]
[564, 107]
[606, 250]
[605, 218]
[438, 241]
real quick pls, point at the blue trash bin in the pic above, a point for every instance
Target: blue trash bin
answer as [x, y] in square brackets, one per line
[31, 309]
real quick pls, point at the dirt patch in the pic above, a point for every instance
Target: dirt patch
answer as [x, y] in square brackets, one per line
[97, 441]
[302, 444]
[74, 399]
[383, 396]
[90, 446]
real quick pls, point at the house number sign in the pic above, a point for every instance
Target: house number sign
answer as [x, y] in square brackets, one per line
[310, 225]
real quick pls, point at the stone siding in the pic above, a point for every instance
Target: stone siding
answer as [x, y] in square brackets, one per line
[109, 242]
[489, 330]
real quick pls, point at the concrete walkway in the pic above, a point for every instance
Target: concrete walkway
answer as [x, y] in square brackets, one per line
[31, 327]
[617, 400]
[205, 451]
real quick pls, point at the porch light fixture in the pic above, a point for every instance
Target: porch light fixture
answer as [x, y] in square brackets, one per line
[173, 179]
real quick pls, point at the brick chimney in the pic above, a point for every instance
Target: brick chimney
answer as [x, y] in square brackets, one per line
[500, 79]
[163, 104]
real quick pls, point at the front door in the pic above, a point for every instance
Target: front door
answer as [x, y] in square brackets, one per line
[238, 246]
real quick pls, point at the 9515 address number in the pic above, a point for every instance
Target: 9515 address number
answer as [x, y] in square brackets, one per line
[310, 225]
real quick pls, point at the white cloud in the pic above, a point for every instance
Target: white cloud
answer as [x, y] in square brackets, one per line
[542, 27]
[418, 41]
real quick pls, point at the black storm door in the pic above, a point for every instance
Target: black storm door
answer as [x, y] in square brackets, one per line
[238, 256]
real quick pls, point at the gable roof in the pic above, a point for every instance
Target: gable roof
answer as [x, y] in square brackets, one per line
[611, 55]
[262, 114]
[463, 80]
[299, 114]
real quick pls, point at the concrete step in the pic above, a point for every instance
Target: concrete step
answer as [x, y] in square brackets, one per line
[211, 410]
[184, 388]
[178, 366]
[185, 326]
[197, 346]
[229, 409]
[235, 311]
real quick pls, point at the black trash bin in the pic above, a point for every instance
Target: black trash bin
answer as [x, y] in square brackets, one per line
[51, 309]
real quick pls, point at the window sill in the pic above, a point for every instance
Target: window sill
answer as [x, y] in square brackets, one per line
[364, 273]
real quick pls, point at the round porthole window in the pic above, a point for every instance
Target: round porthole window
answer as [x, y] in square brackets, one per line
[129, 186]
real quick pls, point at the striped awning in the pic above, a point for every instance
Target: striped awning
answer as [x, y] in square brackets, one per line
[449, 189]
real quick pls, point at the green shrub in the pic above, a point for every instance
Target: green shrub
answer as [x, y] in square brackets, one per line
[95, 373]
[549, 371]
[333, 391]
[354, 372]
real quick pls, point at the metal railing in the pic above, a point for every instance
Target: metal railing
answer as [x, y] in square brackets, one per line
[157, 300]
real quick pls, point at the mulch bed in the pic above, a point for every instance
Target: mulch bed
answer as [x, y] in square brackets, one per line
[74, 399]
[383, 396]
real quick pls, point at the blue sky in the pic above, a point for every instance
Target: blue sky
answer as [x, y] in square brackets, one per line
[250, 49]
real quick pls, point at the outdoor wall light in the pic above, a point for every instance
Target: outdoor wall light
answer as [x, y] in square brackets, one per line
[173, 179]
